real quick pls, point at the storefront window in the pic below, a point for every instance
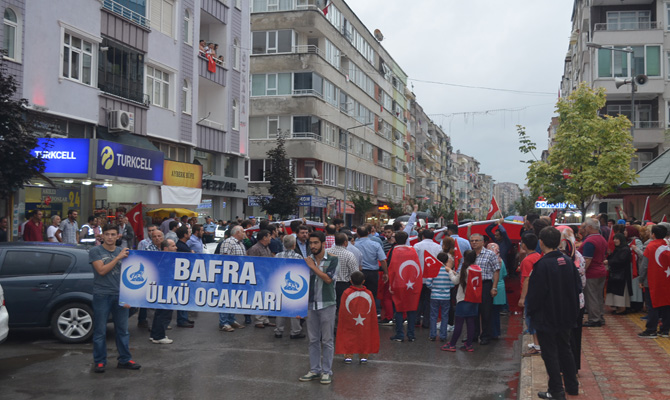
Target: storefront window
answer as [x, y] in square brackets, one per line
[230, 166]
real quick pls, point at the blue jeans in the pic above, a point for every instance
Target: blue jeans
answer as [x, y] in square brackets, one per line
[411, 319]
[182, 318]
[435, 306]
[226, 319]
[103, 304]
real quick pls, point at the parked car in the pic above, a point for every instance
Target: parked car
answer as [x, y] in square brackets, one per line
[4, 317]
[48, 285]
[220, 232]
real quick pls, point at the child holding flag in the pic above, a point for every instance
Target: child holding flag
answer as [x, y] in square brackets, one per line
[357, 331]
[440, 295]
[469, 282]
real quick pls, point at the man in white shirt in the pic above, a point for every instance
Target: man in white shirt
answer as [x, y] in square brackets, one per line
[427, 244]
[53, 228]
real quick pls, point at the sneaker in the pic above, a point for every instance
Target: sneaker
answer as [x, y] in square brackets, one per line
[664, 334]
[298, 336]
[326, 379]
[450, 328]
[363, 361]
[467, 348]
[547, 395]
[647, 334]
[185, 325]
[99, 368]
[310, 376]
[165, 340]
[347, 360]
[448, 347]
[432, 338]
[397, 339]
[129, 365]
[226, 328]
[237, 325]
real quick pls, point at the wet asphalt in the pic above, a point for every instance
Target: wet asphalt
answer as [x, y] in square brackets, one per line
[205, 363]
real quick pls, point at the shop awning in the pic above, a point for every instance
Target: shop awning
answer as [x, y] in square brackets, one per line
[180, 195]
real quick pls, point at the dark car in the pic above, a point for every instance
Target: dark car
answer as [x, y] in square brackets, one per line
[48, 284]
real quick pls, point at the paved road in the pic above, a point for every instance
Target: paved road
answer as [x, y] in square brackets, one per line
[250, 363]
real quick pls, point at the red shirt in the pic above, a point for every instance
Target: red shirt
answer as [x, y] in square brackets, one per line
[32, 232]
[595, 248]
[528, 263]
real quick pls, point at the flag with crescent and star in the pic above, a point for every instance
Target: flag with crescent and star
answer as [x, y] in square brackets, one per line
[473, 289]
[493, 208]
[658, 272]
[357, 328]
[136, 221]
[431, 265]
[405, 278]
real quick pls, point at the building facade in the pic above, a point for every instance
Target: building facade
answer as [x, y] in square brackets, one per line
[506, 193]
[321, 79]
[126, 77]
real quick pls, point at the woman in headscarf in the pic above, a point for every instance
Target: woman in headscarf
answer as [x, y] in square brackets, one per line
[619, 283]
[500, 300]
[637, 249]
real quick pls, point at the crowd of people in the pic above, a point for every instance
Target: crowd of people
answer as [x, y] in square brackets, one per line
[210, 49]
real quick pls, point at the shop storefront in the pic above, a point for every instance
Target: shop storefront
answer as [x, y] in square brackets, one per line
[182, 184]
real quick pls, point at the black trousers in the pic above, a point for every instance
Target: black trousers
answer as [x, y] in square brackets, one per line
[656, 313]
[161, 320]
[557, 357]
[371, 281]
[340, 287]
[424, 307]
[483, 328]
[576, 341]
[452, 309]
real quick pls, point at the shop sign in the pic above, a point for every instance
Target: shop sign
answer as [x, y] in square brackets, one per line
[119, 160]
[63, 156]
[223, 186]
[312, 201]
[254, 201]
[544, 204]
[182, 174]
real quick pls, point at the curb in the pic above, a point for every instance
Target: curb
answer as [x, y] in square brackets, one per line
[533, 376]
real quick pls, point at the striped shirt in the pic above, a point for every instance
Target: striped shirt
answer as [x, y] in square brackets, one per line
[440, 285]
[233, 247]
[488, 262]
[348, 263]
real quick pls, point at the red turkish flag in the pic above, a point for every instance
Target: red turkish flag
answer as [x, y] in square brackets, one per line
[136, 221]
[610, 242]
[211, 64]
[473, 289]
[455, 217]
[493, 208]
[357, 328]
[658, 272]
[413, 240]
[553, 216]
[457, 255]
[633, 260]
[647, 211]
[405, 278]
[665, 218]
[431, 265]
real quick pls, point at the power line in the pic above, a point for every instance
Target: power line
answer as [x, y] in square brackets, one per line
[485, 88]
[484, 112]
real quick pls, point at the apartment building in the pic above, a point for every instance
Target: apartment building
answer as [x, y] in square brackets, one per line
[467, 191]
[322, 79]
[115, 79]
[616, 39]
[506, 193]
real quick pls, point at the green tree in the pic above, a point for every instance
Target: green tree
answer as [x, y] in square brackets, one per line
[396, 210]
[595, 151]
[524, 205]
[361, 206]
[283, 189]
[17, 165]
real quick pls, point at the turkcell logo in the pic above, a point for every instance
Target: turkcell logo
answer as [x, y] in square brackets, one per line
[107, 157]
[63, 156]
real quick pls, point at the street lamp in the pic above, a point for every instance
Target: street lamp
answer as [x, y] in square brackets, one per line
[346, 167]
[619, 82]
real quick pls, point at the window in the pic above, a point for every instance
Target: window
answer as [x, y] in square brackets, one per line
[158, 87]
[229, 166]
[330, 174]
[307, 127]
[331, 92]
[643, 114]
[236, 115]
[77, 59]
[236, 54]
[21, 263]
[307, 83]
[176, 153]
[11, 43]
[628, 20]
[238, 4]
[121, 71]
[272, 42]
[268, 127]
[271, 84]
[645, 60]
[271, 5]
[188, 32]
[257, 169]
[640, 159]
[332, 54]
[387, 100]
[330, 133]
[162, 16]
[186, 97]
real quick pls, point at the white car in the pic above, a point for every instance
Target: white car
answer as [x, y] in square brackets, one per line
[4, 317]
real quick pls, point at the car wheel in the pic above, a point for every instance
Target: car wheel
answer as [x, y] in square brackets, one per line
[72, 323]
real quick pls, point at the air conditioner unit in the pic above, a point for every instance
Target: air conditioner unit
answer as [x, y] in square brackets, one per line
[120, 120]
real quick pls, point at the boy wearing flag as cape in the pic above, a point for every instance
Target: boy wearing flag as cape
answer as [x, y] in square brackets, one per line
[357, 331]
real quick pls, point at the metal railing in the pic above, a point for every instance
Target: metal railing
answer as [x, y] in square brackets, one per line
[136, 95]
[307, 92]
[125, 12]
[647, 124]
[306, 135]
[307, 48]
[626, 26]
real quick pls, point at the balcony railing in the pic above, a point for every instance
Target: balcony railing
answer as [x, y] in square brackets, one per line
[626, 26]
[211, 124]
[309, 48]
[307, 92]
[125, 12]
[648, 124]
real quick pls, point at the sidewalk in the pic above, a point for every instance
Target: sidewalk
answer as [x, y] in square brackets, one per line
[616, 364]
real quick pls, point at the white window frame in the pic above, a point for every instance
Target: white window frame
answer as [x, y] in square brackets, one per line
[158, 24]
[236, 54]
[84, 36]
[238, 4]
[188, 27]
[186, 97]
[236, 115]
[18, 31]
[165, 85]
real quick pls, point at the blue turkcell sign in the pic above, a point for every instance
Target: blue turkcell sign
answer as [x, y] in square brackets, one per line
[119, 160]
[63, 156]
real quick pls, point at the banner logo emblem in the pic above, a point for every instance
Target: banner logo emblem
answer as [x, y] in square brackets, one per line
[293, 290]
[135, 280]
[107, 157]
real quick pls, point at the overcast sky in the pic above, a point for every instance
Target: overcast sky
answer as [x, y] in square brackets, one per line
[512, 44]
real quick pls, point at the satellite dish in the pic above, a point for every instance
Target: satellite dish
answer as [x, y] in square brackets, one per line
[378, 35]
[315, 173]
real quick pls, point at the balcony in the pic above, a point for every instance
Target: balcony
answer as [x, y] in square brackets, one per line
[627, 26]
[131, 15]
[648, 134]
[219, 76]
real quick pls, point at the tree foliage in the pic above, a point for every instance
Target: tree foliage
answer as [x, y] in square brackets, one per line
[361, 206]
[596, 151]
[283, 189]
[524, 205]
[396, 210]
[17, 165]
